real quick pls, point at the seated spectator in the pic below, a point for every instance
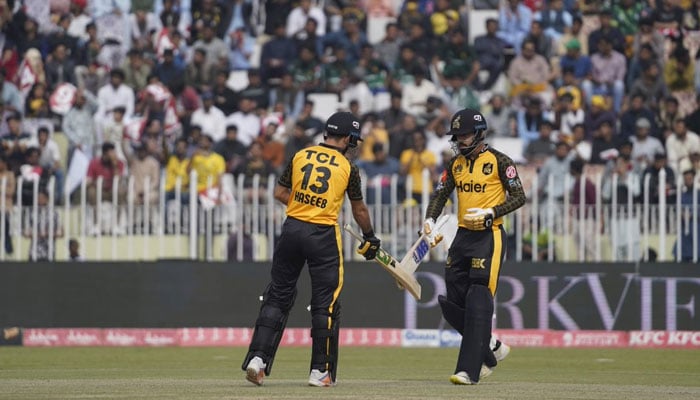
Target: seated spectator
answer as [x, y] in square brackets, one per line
[627, 14]
[580, 64]
[500, 117]
[538, 150]
[336, 74]
[254, 164]
[654, 172]
[680, 145]
[273, 150]
[257, 90]
[136, 70]
[9, 94]
[212, 44]
[555, 166]
[651, 86]
[457, 55]
[490, 51]
[543, 43]
[176, 170]
[372, 69]
[146, 173]
[607, 75]
[597, 114]
[679, 71]
[416, 159]
[415, 95]
[529, 120]
[668, 113]
[36, 104]
[612, 34]
[644, 146]
[170, 73]
[637, 109]
[640, 62]
[570, 86]
[529, 73]
[107, 166]
[247, 121]
[59, 67]
[649, 37]
[457, 93]
[296, 19]
[604, 141]
[668, 17]
[515, 19]
[379, 172]
[231, 149]
[312, 125]
[209, 118]
[198, 72]
[276, 56]
[389, 47]
[225, 99]
[296, 141]
[575, 32]
[306, 70]
[32, 173]
[555, 20]
[290, 96]
[568, 116]
[114, 131]
[15, 143]
[210, 167]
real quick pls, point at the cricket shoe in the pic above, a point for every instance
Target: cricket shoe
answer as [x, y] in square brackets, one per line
[461, 378]
[501, 350]
[255, 371]
[485, 371]
[320, 379]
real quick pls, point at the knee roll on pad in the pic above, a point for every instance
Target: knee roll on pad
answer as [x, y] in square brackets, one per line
[324, 350]
[269, 328]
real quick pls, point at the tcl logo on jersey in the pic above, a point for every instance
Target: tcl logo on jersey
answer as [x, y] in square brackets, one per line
[468, 187]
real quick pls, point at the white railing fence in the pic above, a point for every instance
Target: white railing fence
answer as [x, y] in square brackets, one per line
[240, 220]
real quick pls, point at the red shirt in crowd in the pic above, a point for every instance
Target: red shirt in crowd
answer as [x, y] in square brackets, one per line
[99, 168]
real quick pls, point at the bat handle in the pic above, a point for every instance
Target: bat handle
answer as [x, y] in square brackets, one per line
[352, 233]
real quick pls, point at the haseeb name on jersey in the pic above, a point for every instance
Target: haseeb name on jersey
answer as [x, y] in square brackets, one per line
[305, 198]
[468, 187]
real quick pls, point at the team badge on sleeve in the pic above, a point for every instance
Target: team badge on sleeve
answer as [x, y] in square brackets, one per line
[511, 172]
[442, 180]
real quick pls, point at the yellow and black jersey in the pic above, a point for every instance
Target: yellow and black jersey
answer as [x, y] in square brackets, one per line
[318, 177]
[489, 181]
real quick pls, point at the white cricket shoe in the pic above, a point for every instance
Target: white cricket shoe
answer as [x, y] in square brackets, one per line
[255, 371]
[461, 378]
[501, 350]
[320, 379]
[485, 371]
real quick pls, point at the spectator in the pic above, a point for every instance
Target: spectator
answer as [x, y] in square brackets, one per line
[627, 14]
[296, 19]
[10, 96]
[277, 55]
[36, 104]
[500, 117]
[583, 192]
[170, 73]
[78, 124]
[597, 114]
[686, 252]
[515, 20]
[568, 116]
[43, 245]
[649, 37]
[241, 49]
[457, 93]
[580, 64]
[350, 38]
[629, 182]
[637, 109]
[15, 143]
[198, 72]
[50, 160]
[145, 171]
[177, 169]
[607, 75]
[225, 99]
[457, 55]
[667, 16]
[412, 13]
[444, 18]
[136, 71]
[538, 150]
[415, 95]
[255, 164]
[651, 86]
[379, 172]
[212, 44]
[209, 118]
[257, 90]
[416, 159]
[114, 131]
[373, 70]
[571, 87]
[389, 47]
[554, 19]
[555, 167]
[639, 62]
[679, 71]
[692, 120]
[438, 141]
[576, 32]
[603, 142]
[59, 67]
[490, 50]
[307, 37]
[231, 149]
[654, 172]
[668, 113]
[529, 73]
[336, 74]
[645, 147]
[74, 251]
[115, 94]
[529, 120]
[107, 166]
[680, 145]
[247, 121]
[7, 187]
[210, 166]
[613, 35]
[422, 42]
[306, 71]
[543, 43]
[407, 62]
[296, 141]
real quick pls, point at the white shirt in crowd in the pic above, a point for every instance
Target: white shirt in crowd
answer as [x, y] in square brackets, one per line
[678, 150]
[213, 122]
[297, 19]
[108, 98]
[248, 126]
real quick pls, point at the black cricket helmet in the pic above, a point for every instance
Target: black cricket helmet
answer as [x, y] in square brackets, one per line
[343, 123]
[466, 122]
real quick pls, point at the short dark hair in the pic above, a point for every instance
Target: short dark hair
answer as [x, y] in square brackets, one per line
[576, 166]
[107, 146]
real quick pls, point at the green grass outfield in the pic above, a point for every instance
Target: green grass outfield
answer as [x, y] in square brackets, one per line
[364, 373]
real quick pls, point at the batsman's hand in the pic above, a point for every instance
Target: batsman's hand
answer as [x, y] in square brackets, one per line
[434, 237]
[369, 246]
[478, 219]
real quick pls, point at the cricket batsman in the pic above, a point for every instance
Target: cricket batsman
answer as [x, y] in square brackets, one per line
[313, 187]
[488, 187]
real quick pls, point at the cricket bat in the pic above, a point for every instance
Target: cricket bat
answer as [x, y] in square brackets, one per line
[421, 247]
[404, 278]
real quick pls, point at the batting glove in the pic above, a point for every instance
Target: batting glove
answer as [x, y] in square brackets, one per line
[434, 237]
[478, 219]
[369, 246]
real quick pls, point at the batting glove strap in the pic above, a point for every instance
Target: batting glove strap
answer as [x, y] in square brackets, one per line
[369, 246]
[478, 219]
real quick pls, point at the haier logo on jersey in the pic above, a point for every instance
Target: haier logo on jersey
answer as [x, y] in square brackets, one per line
[469, 187]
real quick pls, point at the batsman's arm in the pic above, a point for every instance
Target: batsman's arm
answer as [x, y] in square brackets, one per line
[511, 183]
[443, 191]
[283, 189]
[359, 208]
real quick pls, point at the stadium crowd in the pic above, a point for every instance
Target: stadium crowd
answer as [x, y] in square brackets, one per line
[144, 86]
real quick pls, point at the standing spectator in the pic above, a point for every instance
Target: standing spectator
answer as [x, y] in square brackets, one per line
[78, 124]
[146, 173]
[604, 141]
[680, 145]
[114, 131]
[607, 75]
[654, 172]
[50, 160]
[587, 198]
[555, 166]
[515, 20]
[490, 50]
[416, 159]
[209, 118]
[8, 184]
[687, 229]
[42, 249]
[115, 94]
[177, 169]
[15, 143]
